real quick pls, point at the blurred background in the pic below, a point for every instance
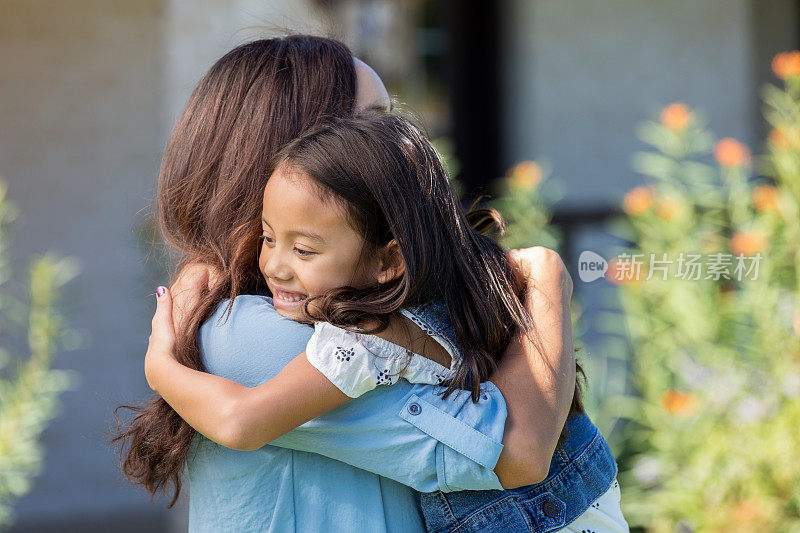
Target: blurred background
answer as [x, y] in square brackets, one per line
[542, 104]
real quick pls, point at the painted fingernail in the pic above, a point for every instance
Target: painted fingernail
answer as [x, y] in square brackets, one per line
[160, 291]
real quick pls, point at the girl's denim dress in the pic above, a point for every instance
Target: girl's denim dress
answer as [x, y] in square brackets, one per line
[581, 470]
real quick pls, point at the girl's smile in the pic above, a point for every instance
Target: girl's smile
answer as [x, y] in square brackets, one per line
[286, 299]
[308, 247]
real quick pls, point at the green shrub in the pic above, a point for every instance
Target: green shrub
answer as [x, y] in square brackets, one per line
[29, 391]
[714, 422]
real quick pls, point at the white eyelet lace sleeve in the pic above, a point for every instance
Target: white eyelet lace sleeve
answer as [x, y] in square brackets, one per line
[357, 362]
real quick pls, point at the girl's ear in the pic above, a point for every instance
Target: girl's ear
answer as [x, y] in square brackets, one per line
[391, 265]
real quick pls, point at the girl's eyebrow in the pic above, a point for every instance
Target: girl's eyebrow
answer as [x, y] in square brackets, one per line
[309, 234]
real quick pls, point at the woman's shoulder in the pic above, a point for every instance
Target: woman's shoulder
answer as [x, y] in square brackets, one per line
[248, 310]
[248, 341]
[246, 305]
[250, 321]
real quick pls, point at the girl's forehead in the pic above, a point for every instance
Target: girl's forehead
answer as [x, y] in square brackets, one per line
[292, 200]
[291, 185]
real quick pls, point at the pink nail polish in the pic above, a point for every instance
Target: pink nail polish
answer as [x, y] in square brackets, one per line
[160, 291]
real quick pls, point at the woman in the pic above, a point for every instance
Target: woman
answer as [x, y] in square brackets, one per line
[252, 102]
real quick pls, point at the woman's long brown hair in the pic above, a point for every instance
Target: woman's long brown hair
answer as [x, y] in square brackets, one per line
[251, 103]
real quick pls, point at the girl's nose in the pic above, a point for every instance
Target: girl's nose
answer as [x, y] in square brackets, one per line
[276, 269]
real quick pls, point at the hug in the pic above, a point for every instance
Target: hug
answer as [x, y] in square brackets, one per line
[345, 347]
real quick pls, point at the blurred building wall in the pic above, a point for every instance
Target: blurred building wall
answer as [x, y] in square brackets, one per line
[79, 101]
[89, 91]
[198, 32]
[581, 75]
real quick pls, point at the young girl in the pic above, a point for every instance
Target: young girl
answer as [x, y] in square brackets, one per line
[363, 236]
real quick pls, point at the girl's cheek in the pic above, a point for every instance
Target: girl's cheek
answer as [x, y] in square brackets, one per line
[319, 278]
[312, 279]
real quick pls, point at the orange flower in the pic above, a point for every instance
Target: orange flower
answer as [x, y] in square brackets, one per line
[778, 138]
[679, 403]
[786, 64]
[748, 243]
[796, 324]
[625, 272]
[731, 153]
[668, 209]
[638, 200]
[747, 510]
[766, 197]
[782, 138]
[676, 116]
[525, 175]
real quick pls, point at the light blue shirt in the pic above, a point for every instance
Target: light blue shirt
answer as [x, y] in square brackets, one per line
[351, 470]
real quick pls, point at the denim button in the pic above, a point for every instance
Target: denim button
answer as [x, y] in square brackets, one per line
[414, 408]
[550, 509]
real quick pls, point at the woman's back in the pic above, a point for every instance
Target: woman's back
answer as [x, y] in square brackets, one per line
[277, 489]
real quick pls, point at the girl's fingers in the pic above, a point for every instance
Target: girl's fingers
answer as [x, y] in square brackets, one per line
[163, 327]
[192, 281]
[162, 337]
[545, 268]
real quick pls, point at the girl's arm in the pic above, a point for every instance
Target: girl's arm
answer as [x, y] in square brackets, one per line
[230, 414]
[451, 444]
[538, 386]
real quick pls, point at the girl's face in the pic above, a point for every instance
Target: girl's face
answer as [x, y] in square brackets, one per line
[308, 247]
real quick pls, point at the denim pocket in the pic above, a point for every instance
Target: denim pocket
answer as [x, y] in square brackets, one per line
[502, 516]
[544, 512]
[504, 513]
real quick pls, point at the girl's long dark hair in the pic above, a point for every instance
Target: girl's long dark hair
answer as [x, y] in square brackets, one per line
[250, 104]
[388, 177]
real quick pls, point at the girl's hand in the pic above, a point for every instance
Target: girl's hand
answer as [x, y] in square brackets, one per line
[171, 316]
[161, 345]
[544, 267]
[192, 280]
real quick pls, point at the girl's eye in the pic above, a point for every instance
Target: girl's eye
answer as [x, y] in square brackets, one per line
[303, 253]
[266, 238]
